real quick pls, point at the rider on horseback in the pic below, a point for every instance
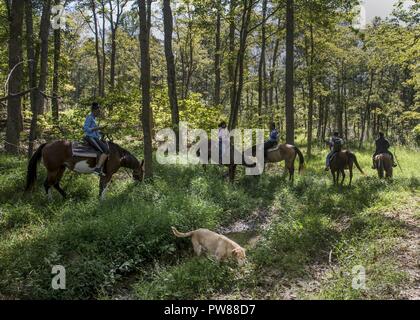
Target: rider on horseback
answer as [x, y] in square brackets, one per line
[273, 139]
[382, 146]
[335, 144]
[93, 137]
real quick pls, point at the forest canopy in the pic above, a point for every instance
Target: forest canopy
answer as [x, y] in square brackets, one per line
[228, 63]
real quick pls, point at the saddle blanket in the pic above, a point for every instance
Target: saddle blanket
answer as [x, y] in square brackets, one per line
[83, 150]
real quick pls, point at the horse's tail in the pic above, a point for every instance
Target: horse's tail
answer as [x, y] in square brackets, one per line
[32, 167]
[301, 159]
[181, 234]
[356, 163]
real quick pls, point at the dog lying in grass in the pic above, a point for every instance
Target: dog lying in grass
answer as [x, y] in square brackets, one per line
[216, 244]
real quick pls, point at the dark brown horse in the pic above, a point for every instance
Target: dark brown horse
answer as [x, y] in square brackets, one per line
[58, 155]
[341, 161]
[383, 163]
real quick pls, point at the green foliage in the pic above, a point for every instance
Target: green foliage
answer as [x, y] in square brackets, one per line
[101, 243]
[194, 279]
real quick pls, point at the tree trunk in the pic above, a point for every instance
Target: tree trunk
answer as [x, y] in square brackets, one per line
[217, 57]
[170, 67]
[311, 91]
[290, 122]
[98, 55]
[364, 114]
[144, 39]
[57, 49]
[231, 64]
[273, 68]
[32, 57]
[14, 115]
[261, 65]
[43, 73]
[238, 80]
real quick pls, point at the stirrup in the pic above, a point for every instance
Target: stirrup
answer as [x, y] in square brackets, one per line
[99, 172]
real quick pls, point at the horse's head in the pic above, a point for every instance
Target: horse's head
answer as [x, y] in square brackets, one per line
[138, 172]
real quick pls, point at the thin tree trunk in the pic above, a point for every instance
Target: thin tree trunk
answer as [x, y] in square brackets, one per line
[170, 66]
[239, 69]
[231, 64]
[43, 73]
[273, 68]
[102, 91]
[261, 68]
[217, 56]
[144, 39]
[57, 49]
[311, 92]
[32, 57]
[14, 115]
[98, 55]
[367, 107]
[290, 122]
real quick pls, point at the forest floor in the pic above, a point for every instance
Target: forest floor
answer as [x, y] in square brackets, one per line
[308, 240]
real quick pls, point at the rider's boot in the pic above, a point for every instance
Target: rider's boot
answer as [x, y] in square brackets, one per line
[99, 165]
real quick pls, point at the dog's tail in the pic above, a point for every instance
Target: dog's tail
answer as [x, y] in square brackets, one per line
[181, 234]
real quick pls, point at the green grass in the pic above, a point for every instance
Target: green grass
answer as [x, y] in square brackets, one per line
[103, 243]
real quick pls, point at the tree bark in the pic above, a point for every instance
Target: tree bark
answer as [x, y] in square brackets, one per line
[290, 122]
[102, 89]
[217, 56]
[273, 68]
[366, 111]
[170, 67]
[144, 39]
[42, 81]
[114, 25]
[238, 79]
[55, 85]
[14, 114]
[261, 65]
[98, 55]
[311, 91]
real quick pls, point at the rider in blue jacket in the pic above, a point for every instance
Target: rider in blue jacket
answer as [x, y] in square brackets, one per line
[93, 137]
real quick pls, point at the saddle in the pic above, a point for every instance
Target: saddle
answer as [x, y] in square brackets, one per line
[80, 149]
[275, 148]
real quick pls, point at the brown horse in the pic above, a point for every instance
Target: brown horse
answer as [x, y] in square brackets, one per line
[340, 161]
[58, 155]
[288, 154]
[383, 163]
[285, 152]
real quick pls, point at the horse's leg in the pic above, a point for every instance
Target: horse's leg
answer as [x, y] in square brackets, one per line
[350, 174]
[343, 173]
[57, 184]
[333, 176]
[50, 181]
[291, 167]
[103, 185]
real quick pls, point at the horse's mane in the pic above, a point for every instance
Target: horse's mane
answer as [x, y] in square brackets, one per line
[128, 160]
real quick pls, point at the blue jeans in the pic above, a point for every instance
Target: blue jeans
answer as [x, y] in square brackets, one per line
[329, 155]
